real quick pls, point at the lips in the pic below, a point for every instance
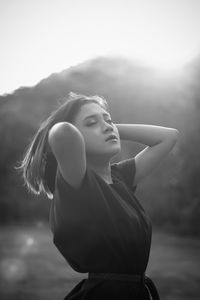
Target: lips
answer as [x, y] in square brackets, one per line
[111, 137]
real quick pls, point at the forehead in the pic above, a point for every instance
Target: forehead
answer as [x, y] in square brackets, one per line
[90, 109]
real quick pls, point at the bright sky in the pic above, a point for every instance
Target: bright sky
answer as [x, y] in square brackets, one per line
[39, 37]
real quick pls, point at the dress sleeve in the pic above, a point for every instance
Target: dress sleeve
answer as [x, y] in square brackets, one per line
[126, 170]
[69, 203]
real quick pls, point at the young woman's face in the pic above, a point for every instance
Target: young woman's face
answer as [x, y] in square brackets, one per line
[100, 134]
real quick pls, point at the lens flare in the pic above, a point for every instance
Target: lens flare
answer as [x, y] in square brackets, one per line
[28, 244]
[29, 241]
[13, 269]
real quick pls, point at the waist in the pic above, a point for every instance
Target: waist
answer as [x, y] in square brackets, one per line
[117, 276]
[143, 280]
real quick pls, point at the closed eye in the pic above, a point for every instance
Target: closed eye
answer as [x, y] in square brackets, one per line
[90, 123]
[91, 120]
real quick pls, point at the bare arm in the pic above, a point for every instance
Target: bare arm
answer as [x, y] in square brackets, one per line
[159, 141]
[67, 144]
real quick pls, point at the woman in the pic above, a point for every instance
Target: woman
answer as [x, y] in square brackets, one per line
[97, 222]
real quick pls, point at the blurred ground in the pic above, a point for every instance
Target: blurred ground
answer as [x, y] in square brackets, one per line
[31, 268]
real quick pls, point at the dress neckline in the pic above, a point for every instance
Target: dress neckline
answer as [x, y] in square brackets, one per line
[114, 179]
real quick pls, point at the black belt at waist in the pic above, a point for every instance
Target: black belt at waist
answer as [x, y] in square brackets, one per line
[144, 280]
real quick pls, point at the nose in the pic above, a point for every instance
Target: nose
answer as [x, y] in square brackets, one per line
[106, 127]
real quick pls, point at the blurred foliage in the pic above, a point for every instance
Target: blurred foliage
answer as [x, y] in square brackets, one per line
[135, 95]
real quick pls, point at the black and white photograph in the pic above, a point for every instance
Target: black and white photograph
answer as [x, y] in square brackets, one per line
[100, 150]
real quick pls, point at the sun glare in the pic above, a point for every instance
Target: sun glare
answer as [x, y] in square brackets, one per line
[163, 58]
[167, 54]
[163, 34]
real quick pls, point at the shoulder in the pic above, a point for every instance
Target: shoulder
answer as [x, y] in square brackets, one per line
[66, 190]
[125, 170]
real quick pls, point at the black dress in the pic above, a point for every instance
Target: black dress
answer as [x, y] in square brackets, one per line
[102, 228]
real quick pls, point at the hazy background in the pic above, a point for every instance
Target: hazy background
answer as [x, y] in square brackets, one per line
[144, 58]
[44, 36]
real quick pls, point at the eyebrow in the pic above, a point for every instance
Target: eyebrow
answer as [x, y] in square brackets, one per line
[96, 115]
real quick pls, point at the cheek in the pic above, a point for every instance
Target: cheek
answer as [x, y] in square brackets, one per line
[89, 139]
[92, 142]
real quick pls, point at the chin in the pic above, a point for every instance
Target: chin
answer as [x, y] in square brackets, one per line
[114, 151]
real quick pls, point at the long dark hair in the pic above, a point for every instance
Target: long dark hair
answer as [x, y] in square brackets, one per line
[39, 164]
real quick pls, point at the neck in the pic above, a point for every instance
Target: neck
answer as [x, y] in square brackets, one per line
[101, 167]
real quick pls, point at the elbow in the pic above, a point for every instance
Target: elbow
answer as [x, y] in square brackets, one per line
[173, 136]
[61, 135]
